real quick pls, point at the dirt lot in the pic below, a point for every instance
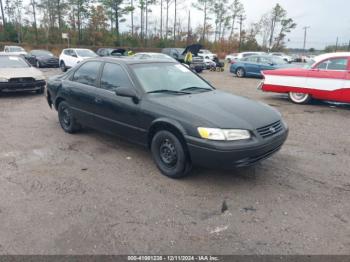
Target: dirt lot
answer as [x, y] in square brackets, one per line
[91, 193]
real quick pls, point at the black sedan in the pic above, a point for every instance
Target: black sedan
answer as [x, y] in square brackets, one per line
[166, 107]
[42, 58]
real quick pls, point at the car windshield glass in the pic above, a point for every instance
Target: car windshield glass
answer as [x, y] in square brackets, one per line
[16, 49]
[310, 64]
[12, 62]
[180, 50]
[41, 52]
[85, 53]
[171, 77]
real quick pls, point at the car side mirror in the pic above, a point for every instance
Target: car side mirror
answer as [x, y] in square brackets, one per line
[74, 55]
[127, 92]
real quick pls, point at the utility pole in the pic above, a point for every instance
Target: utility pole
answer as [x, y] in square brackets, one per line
[336, 45]
[189, 33]
[349, 46]
[305, 34]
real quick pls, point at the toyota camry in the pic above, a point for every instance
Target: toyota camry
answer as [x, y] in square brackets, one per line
[164, 106]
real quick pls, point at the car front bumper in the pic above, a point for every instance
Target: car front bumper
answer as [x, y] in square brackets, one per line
[25, 86]
[235, 154]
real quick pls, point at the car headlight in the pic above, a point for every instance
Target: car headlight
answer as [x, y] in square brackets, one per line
[3, 80]
[223, 134]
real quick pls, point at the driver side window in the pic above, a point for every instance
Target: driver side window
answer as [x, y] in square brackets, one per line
[334, 64]
[114, 76]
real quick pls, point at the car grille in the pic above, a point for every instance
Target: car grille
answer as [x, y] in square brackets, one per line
[270, 130]
[22, 80]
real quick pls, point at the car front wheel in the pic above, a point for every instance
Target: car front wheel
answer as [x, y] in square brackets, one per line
[66, 119]
[240, 72]
[63, 66]
[170, 155]
[299, 98]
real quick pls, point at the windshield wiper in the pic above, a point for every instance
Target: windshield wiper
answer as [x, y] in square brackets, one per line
[168, 91]
[195, 88]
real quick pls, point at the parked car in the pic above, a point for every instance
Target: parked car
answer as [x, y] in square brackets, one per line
[327, 78]
[146, 55]
[16, 74]
[179, 54]
[111, 52]
[42, 58]
[14, 50]
[232, 57]
[167, 108]
[206, 54]
[176, 53]
[72, 56]
[254, 65]
[285, 57]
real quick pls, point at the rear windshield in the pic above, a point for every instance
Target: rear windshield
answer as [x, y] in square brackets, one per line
[16, 49]
[12, 62]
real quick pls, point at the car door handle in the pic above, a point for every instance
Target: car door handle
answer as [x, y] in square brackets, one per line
[98, 100]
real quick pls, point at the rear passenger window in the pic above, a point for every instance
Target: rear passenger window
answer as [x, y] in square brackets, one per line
[113, 76]
[334, 64]
[87, 73]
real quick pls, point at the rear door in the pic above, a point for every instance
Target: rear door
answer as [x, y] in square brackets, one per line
[251, 65]
[328, 78]
[81, 91]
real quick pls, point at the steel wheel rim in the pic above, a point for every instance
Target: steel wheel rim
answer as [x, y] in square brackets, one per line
[240, 72]
[168, 153]
[299, 97]
[66, 117]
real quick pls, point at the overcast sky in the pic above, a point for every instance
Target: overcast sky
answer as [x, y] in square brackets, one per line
[328, 19]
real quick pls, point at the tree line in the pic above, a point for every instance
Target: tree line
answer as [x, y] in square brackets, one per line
[143, 23]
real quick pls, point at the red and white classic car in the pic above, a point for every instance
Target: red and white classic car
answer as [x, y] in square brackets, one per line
[327, 78]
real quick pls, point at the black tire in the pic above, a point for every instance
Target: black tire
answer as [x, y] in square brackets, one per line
[240, 72]
[63, 66]
[41, 90]
[198, 70]
[170, 155]
[66, 119]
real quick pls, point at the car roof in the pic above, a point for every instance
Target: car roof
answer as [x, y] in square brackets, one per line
[130, 60]
[330, 55]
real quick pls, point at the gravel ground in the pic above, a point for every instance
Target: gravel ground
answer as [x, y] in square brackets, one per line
[91, 193]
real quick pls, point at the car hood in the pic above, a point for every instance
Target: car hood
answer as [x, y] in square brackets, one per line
[194, 49]
[21, 72]
[220, 109]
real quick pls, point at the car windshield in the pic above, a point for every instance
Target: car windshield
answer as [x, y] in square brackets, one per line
[170, 78]
[309, 64]
[161, 56]
[180, 50]
[85, 53]
[16, 49]
[12, 62]
[41, 52]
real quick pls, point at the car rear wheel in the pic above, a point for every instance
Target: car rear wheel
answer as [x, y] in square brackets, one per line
[299, 98]
[63, 66]
[170, 155]
[66, 119]
[240, 72]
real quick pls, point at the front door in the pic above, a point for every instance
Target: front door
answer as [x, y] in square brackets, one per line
[119, 115]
